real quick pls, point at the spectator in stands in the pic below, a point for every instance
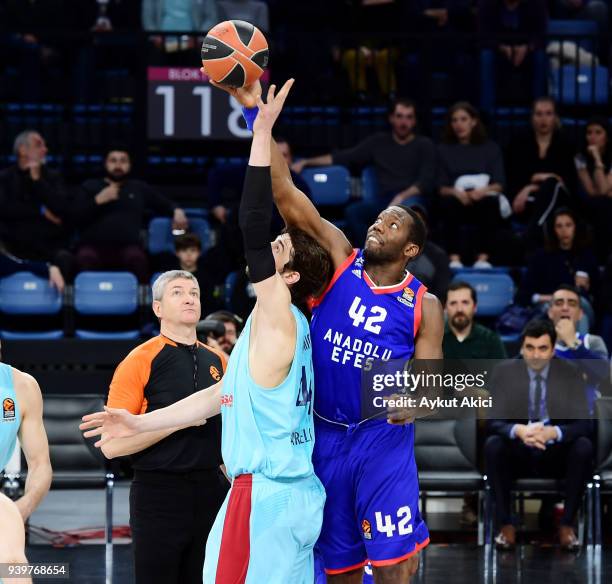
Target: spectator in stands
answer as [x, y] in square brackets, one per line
[471, 181]
[464, 338]
[178, 15]
[538, 427]
[431, 265]
[518, 28]
[541, 173]
[566, 259]
[34, 206]
[253, 11]
[594, 166]
[588, 351]
[10, 265]
[596, 10]
[189, 255]
[109, 214]
[404, 163]
[233, 325]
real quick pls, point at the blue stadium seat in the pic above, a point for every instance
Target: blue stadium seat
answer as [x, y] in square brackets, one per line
[369, 184]
[329, 185]
[495, 290]
[161, 238]
[582, 85]
[105, 293]
[25, 294]
[197, 212]
[559, 28]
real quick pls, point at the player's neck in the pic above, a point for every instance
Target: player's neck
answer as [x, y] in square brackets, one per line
[385, 274]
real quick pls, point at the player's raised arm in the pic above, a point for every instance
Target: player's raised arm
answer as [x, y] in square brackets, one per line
[295, 207]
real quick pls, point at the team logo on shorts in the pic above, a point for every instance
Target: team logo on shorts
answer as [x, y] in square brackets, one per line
[214, 373]
[407, 297]
[366, 527]
[8, 409]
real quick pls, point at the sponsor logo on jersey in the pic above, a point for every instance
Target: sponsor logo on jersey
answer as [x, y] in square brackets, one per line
[214, 373]
[359, 262]
[227, 400]
[357, 273]
[307, 342]
[407, 297]
[366, 527]
[8, 409]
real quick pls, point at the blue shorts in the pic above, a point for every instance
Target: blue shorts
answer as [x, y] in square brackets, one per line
[265, 531]
[372, 507]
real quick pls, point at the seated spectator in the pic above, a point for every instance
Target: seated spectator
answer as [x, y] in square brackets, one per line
[34, 206]
[471, 181]
[233, 325]
[431, 265]
[404, 163]
[109, 213]
[517, 29]
[253, 11]
[189, 255]
[588, 351]
[594, 166]
[538, 427]
[10, 265]
[540, 169]
[566, 259]
[464, 338]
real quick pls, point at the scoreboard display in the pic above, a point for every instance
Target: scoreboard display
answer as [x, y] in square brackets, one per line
[182, 105]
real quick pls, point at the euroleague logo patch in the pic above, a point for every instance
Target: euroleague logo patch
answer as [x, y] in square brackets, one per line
[366, 527]
[407, 297]
[214, 373]
[8, 409]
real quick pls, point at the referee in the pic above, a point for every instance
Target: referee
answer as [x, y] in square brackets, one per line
[178, 487]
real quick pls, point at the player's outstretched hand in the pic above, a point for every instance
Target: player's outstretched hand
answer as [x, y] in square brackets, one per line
[269, 111]
[111, 423]
[245, 96]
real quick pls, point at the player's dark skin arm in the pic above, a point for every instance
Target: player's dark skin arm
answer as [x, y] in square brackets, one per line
[294, 206]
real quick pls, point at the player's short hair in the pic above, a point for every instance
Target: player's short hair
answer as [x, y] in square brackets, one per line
[312, 261]
[159, 286]
[187, 241]
[538, 327]
[462, 285]
[418, 231]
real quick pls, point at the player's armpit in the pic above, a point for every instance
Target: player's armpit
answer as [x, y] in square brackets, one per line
[299, 211]
[428, 343]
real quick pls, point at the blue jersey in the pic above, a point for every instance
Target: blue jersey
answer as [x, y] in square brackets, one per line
[10, 416]
[355, 321]
[269, 431]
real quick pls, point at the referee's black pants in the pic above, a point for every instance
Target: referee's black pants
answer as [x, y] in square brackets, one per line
[171, 515]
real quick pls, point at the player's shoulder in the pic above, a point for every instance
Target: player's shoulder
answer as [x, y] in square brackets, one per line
[27, 389]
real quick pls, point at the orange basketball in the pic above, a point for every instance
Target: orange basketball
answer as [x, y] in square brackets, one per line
[234, 53]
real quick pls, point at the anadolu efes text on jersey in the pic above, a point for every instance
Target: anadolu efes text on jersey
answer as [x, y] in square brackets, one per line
[355, 321]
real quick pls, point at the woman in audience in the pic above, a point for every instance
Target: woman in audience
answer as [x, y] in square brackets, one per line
[566, 258]
[541, 175]
[594, 166]
[471, 180]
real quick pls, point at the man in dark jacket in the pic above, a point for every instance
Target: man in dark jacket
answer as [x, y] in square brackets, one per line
[109, 214]
[538, 428]
[33, 205]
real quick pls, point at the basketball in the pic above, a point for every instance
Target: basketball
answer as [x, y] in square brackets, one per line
[234, 53]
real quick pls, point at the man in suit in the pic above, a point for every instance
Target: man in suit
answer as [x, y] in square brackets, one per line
[538, 427]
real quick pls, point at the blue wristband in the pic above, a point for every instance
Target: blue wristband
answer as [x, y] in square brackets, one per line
[249, 114]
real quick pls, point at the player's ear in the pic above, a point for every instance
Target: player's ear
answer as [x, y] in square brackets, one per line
[291, 277]
[411, 251]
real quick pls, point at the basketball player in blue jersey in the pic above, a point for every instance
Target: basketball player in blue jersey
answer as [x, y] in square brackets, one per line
[21, 417]
[372, 309]
[267, 527]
